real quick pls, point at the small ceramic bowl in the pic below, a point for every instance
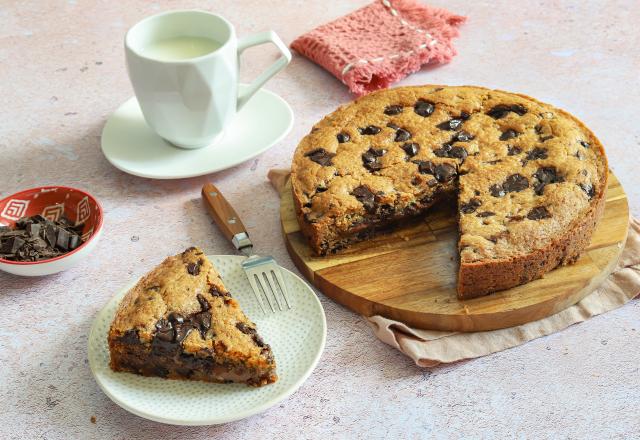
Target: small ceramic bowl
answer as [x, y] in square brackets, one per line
[53, 202]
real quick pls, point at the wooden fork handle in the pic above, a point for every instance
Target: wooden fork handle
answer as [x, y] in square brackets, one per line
[224, 215]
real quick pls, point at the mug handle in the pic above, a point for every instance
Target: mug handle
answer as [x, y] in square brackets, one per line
[281, 63]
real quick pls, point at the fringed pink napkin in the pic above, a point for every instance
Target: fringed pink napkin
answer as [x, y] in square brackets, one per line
[382, 43]
[429, 348]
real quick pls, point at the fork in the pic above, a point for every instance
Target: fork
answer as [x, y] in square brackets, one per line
[264, 274]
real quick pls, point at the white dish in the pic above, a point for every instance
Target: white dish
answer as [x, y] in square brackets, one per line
[297, 338]
[131, 146]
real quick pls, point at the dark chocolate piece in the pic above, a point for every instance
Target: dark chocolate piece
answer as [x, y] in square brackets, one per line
[423, 108]
[447, 150]
[392, 110]
[321, 156]
[544, 177]
[589, 190]
[502, 110]
[470, 206]
[204, 304]
[444, 172]
[12, 245]
[74, 242]
[343, 137]
[366, 197]
[33, 229]
[497, 190]
[454, 123]
[512, 150]
[411, 148]
[62, 240]
[193, 268]
[509, 134]
[537, 153]
[244, 328]
[369, 130]
[538, 213]
[461, 136]
[215, 292]
[402, 135]
[370, 158]
[515, 183]
[36, 238]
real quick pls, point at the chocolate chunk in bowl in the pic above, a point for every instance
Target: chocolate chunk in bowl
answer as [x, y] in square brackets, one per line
[47, 229]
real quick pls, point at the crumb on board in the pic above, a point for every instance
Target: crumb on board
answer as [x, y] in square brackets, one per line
[93, 419]
[466, 309]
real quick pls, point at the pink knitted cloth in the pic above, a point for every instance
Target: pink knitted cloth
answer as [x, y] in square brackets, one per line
[382, 43]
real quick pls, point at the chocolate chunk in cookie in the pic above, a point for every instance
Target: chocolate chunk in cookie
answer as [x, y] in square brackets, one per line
[538, 213]
[454, 123]
[444, 172]
[470, 206]
[369, 130]
[502, 110]
[370, 158]
[193, 269]
[497, 190]
[343, 137]
[449, 151]
[515, 183]
[461, 136]
[513, 150]
[537, 153]
[365, 196]
[393, 110]
[588, 189]
[423, 108]
[411, 149]
[402, 135]
[321, 157]
[509, 134]
[544, 177]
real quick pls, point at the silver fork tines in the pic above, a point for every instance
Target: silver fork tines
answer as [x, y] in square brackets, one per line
[264, 274]
[267, 282]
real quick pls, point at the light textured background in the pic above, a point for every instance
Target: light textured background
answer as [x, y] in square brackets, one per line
[61, 74]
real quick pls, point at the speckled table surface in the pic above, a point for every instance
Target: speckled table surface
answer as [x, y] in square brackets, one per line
[62, 73]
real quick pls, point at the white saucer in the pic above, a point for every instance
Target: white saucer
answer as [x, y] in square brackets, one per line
[297, 338]
[131, 146]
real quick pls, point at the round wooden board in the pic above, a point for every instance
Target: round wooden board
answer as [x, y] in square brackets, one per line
[410, 275]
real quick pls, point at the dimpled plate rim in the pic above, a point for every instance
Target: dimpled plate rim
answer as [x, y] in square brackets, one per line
[309, 314]
[125, 136]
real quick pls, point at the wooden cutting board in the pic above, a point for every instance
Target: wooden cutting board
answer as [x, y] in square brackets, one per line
[410, 275]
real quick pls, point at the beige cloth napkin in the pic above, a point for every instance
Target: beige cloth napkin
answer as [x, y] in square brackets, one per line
[429, 348]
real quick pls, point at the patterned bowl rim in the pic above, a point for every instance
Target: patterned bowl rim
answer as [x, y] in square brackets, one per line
[96, 229]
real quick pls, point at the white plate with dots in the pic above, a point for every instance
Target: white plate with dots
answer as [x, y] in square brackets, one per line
[296, 336]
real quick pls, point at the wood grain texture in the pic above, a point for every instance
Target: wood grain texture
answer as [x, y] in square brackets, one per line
[221, 211]
[410, 275]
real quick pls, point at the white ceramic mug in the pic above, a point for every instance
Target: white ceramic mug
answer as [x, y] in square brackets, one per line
[189, 102]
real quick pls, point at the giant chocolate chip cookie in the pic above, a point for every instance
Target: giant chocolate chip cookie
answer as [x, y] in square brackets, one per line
[529, 178]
